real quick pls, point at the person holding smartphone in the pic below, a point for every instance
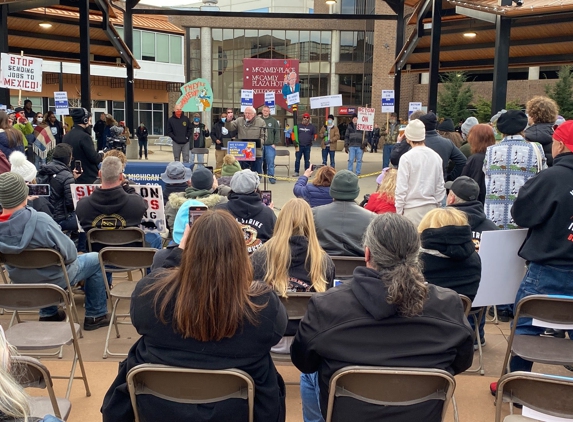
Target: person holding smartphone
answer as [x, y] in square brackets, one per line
[318, 192]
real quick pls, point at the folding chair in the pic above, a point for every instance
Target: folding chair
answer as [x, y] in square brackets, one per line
[390, 386]
[122, 259]
[283, 153]
[36, 259]
[467, 304]
[476, 315]
[547, 350]
[345, 265]
[202, 151]
[34, 335]
[190, 385]
[31, 373]
[114, 237]
[548, 394]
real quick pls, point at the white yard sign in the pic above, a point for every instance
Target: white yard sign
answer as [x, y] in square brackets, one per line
[365, 119]
[21, 73]
[326, 101]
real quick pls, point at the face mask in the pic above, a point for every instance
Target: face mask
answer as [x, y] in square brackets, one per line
[196, 119]
[142, 125]
[178, 113]
[329, 121]
[40, 119]
[223, 119]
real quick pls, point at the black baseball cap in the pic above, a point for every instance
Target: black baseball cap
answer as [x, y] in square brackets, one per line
[464, 187]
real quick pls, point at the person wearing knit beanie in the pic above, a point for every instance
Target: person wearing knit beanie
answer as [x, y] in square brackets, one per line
[512, 122]
[21, 165]
[467, 125]
[344, 186]
[446, 126]
[13, 190]
[420, 178]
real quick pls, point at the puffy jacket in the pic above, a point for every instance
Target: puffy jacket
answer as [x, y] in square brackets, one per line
[314, 195]
[353, 137]
[84, 151]
[59, 177]
[334, 137]
[542, 133]
[379, 203]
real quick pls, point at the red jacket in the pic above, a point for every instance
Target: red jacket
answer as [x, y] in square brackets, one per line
[379, 203]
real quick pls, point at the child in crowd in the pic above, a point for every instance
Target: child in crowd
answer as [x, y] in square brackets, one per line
[230, 166]
[383, 199]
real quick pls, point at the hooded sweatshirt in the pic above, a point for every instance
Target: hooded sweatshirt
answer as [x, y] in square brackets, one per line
[111, 209]
[478, 221]
[542, 133]
[29, 229]
[257, 220]
[353, 324]
[58, 175]
[450, 259]
[545, 206]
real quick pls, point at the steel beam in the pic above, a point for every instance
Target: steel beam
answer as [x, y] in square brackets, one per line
[4, 92]
[500, 63]
[84, 24]
[399, 45]
[435, 55]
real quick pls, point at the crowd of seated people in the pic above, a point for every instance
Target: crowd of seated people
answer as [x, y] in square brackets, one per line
[213, 297]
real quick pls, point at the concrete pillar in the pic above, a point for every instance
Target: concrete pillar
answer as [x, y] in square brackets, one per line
[206, 64]
[334, 56]
[533, 73]
[424, 78]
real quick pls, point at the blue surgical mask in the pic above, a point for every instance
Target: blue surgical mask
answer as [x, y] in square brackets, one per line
[329, 121]
[223, 119]
[196, 119]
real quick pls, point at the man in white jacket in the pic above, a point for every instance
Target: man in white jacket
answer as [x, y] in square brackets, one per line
[420, 182]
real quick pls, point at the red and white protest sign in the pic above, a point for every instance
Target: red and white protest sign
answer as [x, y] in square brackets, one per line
[365, 119]
[21, 73]
[154, 217]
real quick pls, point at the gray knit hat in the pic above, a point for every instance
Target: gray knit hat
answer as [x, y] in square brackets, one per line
[245, 181]
[13, 190]
[468, 124]
[344, 186]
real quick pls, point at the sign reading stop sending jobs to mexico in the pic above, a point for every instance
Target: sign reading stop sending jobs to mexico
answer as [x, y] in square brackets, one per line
[365, 119]
[21, 73]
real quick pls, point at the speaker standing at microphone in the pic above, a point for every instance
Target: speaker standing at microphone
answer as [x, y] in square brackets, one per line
[250, 127]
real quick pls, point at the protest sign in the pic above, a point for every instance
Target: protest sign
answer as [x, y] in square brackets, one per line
[242, 151]
[365, 119]
[412, 107]
[21, 73]
[270, 101]
[196, 96]
[246, 99]
[154, 217]
[293, 98]
[387, 101]
[326, 101]
[61, 102]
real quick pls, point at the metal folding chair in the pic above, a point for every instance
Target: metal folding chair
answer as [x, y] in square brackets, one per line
[547, 350]
[283, 153]
[546, 394]
[33, 335]
[476, 315]
[345, 265]
[202, 151]
[31, 373]
[190, 385]
[390, 386]
[122, 259]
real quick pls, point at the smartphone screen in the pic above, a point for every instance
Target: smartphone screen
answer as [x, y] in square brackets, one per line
[195, 212]
[78, 166]
[267, 197]
[39, 190]
[210, 168]
[317, 166]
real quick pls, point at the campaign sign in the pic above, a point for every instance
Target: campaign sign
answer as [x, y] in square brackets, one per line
[365, 119]
[61, 101]
[246, 99]
[270, 102]
[21, 73]
[242, 151]
[387, 101]
[154, 217]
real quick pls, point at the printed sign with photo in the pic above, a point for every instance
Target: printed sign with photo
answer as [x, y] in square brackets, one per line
[242, 151]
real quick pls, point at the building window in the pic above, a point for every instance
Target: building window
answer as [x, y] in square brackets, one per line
[156, 46]
[355, 89]
[357, 7]
[150, 114]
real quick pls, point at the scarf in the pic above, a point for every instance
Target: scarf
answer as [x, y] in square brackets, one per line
[44, 142]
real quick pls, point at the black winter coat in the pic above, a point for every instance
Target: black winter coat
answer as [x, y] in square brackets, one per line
[542, 133]
[474, 170]
[59, 177]
[83, 150]
[450, 259]
[178, 129]
[353, 324]
[448, 151]
[247, 350]
[353, 137]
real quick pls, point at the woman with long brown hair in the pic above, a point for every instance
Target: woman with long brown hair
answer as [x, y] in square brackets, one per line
[318, 192]
[480, 137]
[208, 313]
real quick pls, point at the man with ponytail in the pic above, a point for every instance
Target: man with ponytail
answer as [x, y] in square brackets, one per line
[386, 315]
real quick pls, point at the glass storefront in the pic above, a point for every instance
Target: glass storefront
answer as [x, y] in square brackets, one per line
[150, 114]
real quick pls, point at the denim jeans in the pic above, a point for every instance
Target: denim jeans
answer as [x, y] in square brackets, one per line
[310, 396]
[386, 152]
[142, 146]
[302, 151]
[154, 240]
[355, 152]
[199, 158]
[270, 153]
[540, 280]
[481, 325]
[325, 153]
[86, 267]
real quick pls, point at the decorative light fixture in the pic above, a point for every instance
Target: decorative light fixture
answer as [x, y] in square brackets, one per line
[330, 1]
[470, 33]
[45, 23]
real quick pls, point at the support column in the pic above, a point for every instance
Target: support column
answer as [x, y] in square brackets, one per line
[206, 64]
[4, 92]
[500, 63]
[132, 150]
[399, 46]
[84, 24]
[334, 56]
[435, 55]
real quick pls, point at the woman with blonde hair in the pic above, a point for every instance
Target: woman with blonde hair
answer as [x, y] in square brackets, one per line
[14, 405]
[448, 253]
[383, 199]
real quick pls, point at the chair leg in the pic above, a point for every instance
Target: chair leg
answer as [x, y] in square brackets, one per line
[113, 321]
[477, 318]
[79, 358]
[455, 406]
